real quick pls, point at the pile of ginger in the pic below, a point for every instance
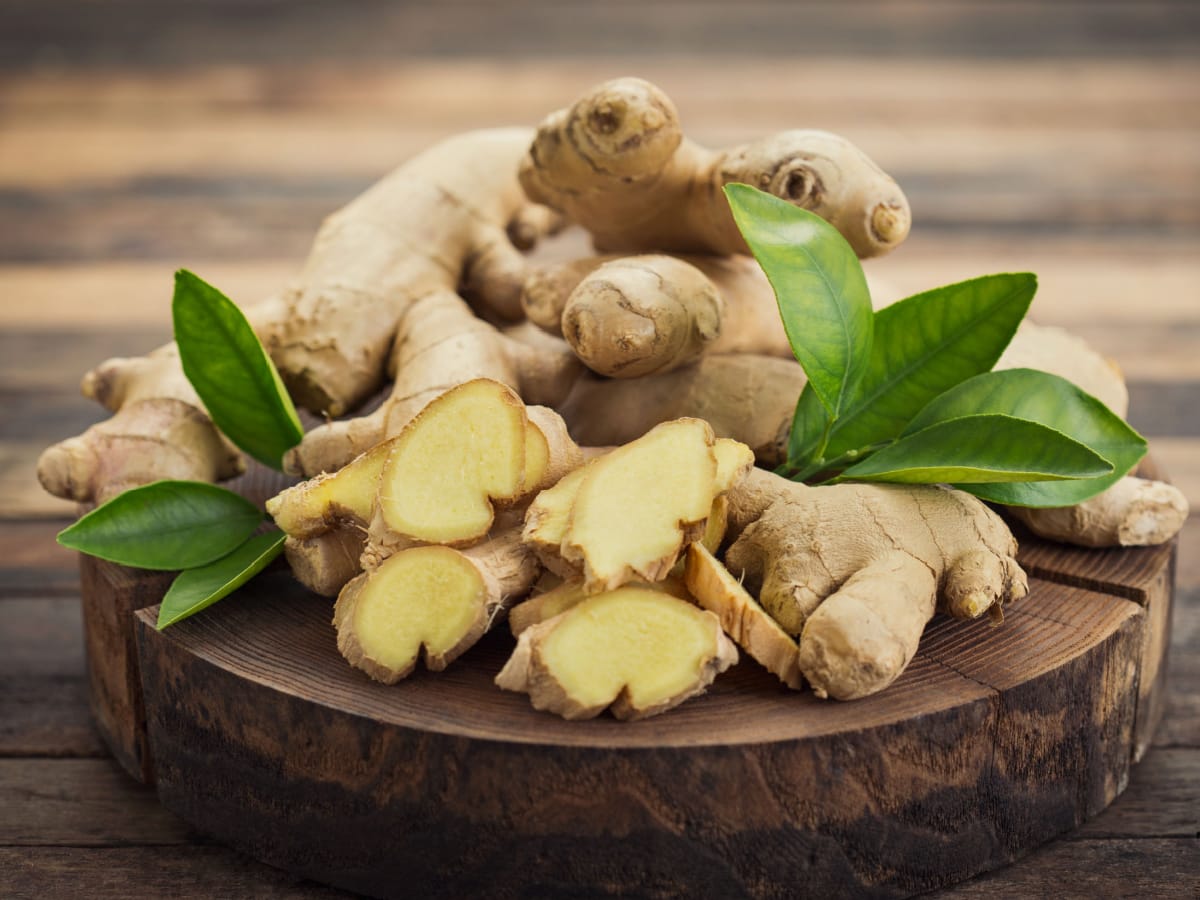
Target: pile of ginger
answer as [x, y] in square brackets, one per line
[488, 471]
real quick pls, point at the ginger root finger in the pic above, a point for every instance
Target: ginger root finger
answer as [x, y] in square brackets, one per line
[1134, 512]
[149, 440]
[801, 548]
[432, 600]
[642, 316]
[639, 652]
[325, 562]
[616, 162]
[716, 590]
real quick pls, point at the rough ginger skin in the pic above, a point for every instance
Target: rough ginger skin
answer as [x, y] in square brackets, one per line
[632, 316]
[857, 570]
[377, 297]
[617, 163]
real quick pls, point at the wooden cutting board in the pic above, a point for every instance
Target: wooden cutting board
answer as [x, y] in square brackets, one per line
[994, 741]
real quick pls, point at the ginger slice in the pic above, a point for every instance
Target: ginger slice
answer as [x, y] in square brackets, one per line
[751, 628]
[637, 506]
[734, 462]
[463, 452]
[635, 650]
[321, 503]
[547, 518]
[564, 596]
[436, 598]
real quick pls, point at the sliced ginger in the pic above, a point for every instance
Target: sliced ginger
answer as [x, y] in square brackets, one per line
[462, 453]
[751, 628]
[636, 507]
[437, 599]
[316, 505]
[635, 650]
[559, 599]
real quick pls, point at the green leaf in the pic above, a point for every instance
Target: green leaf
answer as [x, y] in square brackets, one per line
[231, 371]
[1054, 402]
[197, 589]
[978, 449]
[165, 525]
[923, 346]
[820, 288]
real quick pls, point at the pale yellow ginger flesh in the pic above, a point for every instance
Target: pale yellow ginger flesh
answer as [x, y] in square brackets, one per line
[319, 504]
[734, 462]
[547, 518]
[637, 651]
[463, 452]
[559, 599]
[424, 597]
[751, 628]
[638, 506]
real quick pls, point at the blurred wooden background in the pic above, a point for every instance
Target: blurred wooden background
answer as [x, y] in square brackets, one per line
[138, 136]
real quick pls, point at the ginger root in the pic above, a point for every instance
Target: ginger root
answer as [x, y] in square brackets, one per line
[377, 296]
[616, 162]
[636, 651]
[626, 317]
[857, 570]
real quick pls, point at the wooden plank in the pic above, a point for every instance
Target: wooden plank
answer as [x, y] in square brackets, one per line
[74, 802]
[1086, 285]
[1181, 723]
[407, 94]
[1087, 869]
[43, 689]
[144, 32]
[188, 872]
[34, 564]
[1162, 800]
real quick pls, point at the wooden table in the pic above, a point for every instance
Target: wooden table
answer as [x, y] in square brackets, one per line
[138, 137]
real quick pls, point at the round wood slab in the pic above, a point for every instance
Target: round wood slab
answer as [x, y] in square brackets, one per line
[992, 742]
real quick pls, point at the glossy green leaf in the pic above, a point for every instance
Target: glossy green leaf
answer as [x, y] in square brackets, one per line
[979, 449]
[197, 589]
[1051, 401]
[820, 288]
[922, 347]
[165, 525]
[230, 370]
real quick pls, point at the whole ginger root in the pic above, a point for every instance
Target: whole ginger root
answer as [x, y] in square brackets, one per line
[377, 297]
[617, 163]
[855, 571]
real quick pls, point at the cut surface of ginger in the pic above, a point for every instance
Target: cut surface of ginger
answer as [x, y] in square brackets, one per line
[465, 450]
[431, 597]
[639, 650]
[750, 626]
[636, 507]
[316, 505]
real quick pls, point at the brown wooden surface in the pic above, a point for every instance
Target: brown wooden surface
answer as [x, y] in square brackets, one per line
[992, 742]
[138, 137]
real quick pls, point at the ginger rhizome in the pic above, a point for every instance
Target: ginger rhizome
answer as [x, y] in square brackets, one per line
[617, 163]
[626, 317]
[377, 297]
[856, 571]
[456, 474]
[636, 651]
